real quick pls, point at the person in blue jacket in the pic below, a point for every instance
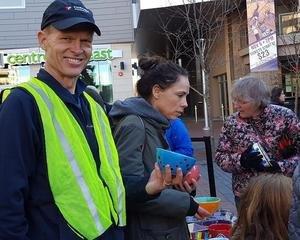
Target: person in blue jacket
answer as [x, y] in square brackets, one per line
[178, 138]
[58, 160]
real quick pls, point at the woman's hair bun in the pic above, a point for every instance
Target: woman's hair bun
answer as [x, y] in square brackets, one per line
[148, 63]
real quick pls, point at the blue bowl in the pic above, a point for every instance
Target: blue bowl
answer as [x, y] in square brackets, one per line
[175, 160]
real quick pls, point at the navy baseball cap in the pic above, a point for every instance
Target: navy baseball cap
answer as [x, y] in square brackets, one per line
[66, 14]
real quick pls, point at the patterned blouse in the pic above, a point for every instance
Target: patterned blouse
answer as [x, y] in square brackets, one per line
[268, 128]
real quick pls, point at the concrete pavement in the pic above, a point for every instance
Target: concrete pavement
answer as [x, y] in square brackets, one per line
[222, 179]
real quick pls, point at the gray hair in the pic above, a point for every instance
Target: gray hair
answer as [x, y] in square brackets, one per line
[251, 89]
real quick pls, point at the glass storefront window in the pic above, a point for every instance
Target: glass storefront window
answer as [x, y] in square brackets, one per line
[4, 80]
[99, 74]
[23, 74]
[290, 84]
[289, 22]
[223, 92]
[244, 37]
[14, 75]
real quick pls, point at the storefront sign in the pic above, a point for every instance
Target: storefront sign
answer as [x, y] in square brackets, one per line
[102, 55]
[37, 56]
[18, 59]
[262, 35]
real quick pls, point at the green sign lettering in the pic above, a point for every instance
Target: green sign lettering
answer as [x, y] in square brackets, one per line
[11, 59]
[19, 59]
[37, 58]
[26, 58]
[102, 55]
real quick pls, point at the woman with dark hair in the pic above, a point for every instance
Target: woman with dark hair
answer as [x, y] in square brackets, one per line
[140, 127]
[264, 209]
[276, 130]
[277, 96]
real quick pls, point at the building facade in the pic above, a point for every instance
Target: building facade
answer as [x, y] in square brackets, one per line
[228, 55]
[110, 68]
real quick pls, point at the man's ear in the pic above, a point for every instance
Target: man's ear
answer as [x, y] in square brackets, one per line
[42, 38]
[156, 90]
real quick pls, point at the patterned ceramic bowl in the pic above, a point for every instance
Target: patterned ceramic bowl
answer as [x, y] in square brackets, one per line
[175, 160]
[211, 204]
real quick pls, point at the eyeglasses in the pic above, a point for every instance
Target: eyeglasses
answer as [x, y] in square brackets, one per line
[240, 101]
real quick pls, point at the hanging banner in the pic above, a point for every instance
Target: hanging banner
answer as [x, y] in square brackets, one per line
[262, 35]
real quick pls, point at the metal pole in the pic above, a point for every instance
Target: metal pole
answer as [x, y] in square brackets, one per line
[206, 125]
[223, 113]
[209, 161]
[196, 114]
[210, 166]
[180, 62]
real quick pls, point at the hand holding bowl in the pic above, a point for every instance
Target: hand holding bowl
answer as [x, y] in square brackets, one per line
[194, 173]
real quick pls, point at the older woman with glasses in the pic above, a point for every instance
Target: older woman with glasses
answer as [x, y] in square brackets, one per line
[258, 137]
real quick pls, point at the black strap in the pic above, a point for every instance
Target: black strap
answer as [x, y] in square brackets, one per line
[142, 122]
[259, 135]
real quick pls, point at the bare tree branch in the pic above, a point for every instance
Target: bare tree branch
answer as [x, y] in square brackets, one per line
[192, 30]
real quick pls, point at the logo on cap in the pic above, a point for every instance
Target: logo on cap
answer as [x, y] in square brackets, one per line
[77, 8]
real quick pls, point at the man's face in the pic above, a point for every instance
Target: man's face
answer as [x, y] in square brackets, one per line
[67, 52]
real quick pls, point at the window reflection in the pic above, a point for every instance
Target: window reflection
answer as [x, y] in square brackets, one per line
[99, 74]
[289, 22]
[14, 75]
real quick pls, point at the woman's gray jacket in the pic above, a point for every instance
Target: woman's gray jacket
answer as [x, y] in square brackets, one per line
[294, 221]
[137, 138]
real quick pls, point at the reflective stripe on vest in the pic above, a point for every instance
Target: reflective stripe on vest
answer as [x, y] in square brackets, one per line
[111, 160]
[86, 201]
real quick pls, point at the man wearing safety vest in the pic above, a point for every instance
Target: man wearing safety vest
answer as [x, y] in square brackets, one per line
[59, 171]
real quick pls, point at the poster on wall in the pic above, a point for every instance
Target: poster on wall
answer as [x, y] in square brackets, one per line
[262, 35]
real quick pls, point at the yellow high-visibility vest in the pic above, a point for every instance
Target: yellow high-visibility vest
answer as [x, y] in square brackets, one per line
[89, 203]
[4, 93]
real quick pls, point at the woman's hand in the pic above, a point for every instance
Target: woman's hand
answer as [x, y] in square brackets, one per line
[177, 181]
[190, 187]
[183, 185]
[201, 213]
[158, 180]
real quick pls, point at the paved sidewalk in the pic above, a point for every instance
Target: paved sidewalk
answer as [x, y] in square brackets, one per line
[222, 179]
